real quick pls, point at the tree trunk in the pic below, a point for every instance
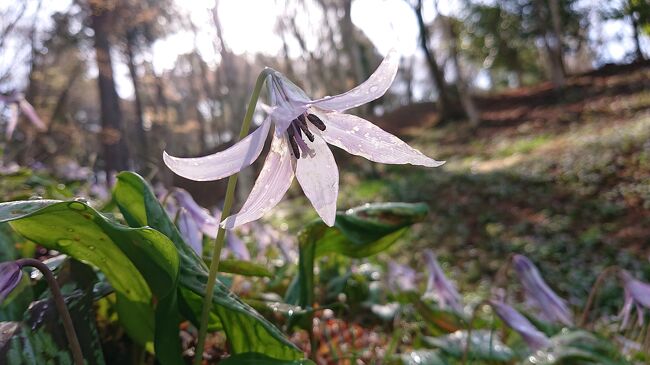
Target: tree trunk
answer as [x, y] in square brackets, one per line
[142, 134]
[464, 92]
[445, 105]
[554, 45]
[350, 43]
[116, 156]
[637, 37]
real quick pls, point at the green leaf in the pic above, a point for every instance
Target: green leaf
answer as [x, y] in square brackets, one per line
[138, 262]
[246, 330]
[484, 345]
[40, 338]
[577, 347]
[245, 268]
[358, 232]
[252, 358]
[422, 357]
[439, 320]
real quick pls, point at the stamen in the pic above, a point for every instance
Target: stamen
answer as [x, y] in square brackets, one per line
[316, 121]
[302, 126]
[293, 143]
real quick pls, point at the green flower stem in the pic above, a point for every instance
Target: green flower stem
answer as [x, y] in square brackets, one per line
[59, 302]
[221, 233]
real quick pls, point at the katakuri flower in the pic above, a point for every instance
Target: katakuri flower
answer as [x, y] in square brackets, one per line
[637, 294]
[10, 276]
[195, 221]
[439, 287]
[303, 128]
[533, 337]
[550, 305]
[401, 278]
[17, 102]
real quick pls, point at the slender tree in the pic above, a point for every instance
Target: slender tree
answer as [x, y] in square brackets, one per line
[115, 150]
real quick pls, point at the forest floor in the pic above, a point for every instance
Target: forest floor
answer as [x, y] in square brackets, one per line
[563, 178]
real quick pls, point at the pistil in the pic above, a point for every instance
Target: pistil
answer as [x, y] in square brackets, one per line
[296, 129]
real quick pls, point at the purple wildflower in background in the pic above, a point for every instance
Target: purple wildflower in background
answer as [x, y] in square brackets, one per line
[195, 221]
[18, 104]
[551, 306]
[401, 278]
[438, 286]
[637, 294]
[10, 276]
[534, 338]
[303, 128]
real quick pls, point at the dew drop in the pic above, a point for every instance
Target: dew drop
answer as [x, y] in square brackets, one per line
[65, 242]
[77, 205]
[70, 230]
[91, 248]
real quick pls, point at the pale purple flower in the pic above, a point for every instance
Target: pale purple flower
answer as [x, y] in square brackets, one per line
[439, 287]
[303, 128]
[534, 338]
[18, 104]
[401, 278]
[10, 276]
[551, 306]
[637, 294]
[190, 230]
[195, 221]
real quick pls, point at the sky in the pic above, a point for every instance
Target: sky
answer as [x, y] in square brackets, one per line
[249, 26]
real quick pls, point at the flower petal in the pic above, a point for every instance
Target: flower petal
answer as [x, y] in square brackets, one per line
[274, 180]
[13, 120]
[190, 231]
[28, 110]
[371, 89]
[10, 276]
[287, 100]
[535, 339]
[360, 137]
[224, 163]
[318, 176]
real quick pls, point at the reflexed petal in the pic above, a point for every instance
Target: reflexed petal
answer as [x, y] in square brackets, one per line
[13, 120]
[224, 163]
[439, 286]
[10, 275]
[538, 292]
[205, 222]
[274, 180]
[371, 89]
[237, 246]
[318, 176]
[639, 290]
[360, 137]
[27, 109]
[535, 339]
[190, 231]
[401, 278]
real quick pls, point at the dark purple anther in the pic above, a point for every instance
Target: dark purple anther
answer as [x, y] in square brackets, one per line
[292, 141]
[302, 125]
[316, 121]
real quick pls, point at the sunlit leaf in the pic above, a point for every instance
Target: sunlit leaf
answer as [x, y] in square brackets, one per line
[359, 232]
[484, 345]
[247, 330]
[251, 358]
[138, 262]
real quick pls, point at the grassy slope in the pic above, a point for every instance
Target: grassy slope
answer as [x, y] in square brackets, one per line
[567, 182]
